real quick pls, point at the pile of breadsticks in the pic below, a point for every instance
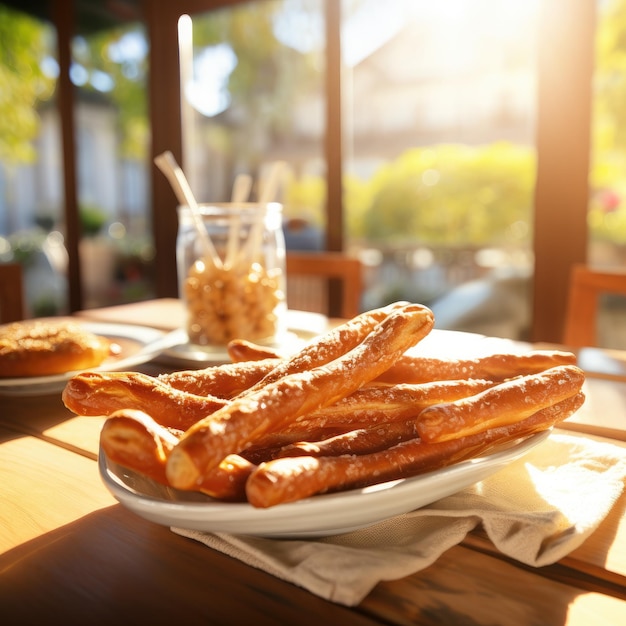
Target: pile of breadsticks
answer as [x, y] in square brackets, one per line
[350, 409]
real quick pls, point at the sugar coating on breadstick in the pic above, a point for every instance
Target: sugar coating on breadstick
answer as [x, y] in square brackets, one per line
[417, 369]
[102, 393]
[289, 479]
[231, 429]
[499, 405]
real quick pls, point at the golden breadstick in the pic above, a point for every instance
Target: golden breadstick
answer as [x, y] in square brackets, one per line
[497, 367]
[222, 381]
[358, 441]
[228, 480]
[376, 403]
[499, 405]
[290, 479]
[133, 439]
[416, 369]
[231, 379]
[372, 404]
[233, 428]
[333, 344]
[266, 448]
[241, 350]
[102, 393]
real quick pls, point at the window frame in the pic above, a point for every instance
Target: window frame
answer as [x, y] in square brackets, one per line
[565, 72]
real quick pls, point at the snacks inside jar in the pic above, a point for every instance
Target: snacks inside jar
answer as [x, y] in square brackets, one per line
[241, 293]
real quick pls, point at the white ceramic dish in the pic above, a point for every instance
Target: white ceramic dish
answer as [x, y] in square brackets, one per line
[302, 326]
[138, 345]
[318, 516]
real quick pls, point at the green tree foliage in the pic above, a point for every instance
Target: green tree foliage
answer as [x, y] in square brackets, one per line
[268, 79]
[22, 84]
[127, 77]
[442, 194]
[453, 195]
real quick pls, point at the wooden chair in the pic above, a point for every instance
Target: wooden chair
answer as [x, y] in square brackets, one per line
[585, 289]
[11, 293]
[324, 282]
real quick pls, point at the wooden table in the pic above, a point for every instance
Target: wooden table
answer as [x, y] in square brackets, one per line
[69, 553]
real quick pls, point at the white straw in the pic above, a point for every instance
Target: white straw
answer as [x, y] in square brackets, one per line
[168, 165]
[268, 193]
[241, 188]
[241, 191]
[269, 190]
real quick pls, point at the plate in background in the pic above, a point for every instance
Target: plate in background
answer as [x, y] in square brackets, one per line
[138, 345]
[302, 326]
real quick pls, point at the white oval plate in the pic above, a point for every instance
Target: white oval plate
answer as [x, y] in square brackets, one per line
[138, 345]
[318, 516]
[302, 326]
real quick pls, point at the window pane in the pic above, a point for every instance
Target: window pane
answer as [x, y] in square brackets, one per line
[252, 85]
[607, 209]
[30, 165]
[110, 71]
[439, 112]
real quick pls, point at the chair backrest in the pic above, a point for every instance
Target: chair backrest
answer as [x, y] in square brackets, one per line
[583, 306]
[11, 293]
[311, 277]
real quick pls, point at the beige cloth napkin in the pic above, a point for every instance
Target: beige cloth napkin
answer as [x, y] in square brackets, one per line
[536, 510]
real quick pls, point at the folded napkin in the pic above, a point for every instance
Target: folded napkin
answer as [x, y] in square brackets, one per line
[536, 510]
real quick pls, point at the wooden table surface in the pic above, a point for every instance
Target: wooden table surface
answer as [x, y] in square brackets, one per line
[69, 552]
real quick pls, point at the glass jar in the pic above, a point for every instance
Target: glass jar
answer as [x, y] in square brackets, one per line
[233, 285]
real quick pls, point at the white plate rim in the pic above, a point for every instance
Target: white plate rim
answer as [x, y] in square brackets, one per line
[318, 516]
[153, 341]
[302, 326]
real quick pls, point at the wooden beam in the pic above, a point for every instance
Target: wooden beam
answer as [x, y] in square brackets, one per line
[63, 17]
[165, 122]
[333, 138]
[566, 59]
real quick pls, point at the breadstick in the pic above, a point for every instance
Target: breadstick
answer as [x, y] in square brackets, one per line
[333, 344]
[222, 381]
[498, 367]
[253, 363]
[290, 479]
[372, 404]
[102, 393]
[500, 405]
[358, 441]
[133, 439]
[97, 393]
[249, 416]
[375, 403]
[241, 350]
[227, 481]
[266, 448]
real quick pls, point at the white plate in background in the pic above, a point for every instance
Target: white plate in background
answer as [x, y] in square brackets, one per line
[138, 344]
[302, 326]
